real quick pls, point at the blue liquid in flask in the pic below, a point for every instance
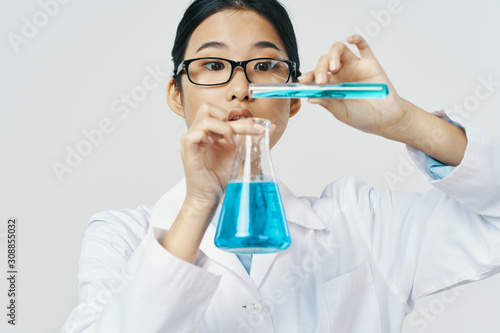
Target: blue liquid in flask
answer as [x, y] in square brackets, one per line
[252, 219]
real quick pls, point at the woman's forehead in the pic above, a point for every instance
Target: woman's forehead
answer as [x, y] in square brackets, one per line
[234, 31]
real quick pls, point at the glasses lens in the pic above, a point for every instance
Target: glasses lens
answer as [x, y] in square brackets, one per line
[209, 71]
[268, 71]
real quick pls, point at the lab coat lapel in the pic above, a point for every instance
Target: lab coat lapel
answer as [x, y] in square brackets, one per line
[227, 259]
[299, 211]
[260, 266]
[296, 211]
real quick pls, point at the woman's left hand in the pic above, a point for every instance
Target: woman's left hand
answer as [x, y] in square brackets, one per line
[377, 116]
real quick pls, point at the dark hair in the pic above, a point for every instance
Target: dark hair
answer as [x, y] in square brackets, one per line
[199, 10]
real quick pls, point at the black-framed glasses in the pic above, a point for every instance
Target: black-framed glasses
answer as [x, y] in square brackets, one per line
[213, 71]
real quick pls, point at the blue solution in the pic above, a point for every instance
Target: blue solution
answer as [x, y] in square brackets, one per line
[252, 219]
[342, 91]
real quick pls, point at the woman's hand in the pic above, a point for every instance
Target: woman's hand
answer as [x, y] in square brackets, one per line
[377, 116]
[207, 151]
[393, 117]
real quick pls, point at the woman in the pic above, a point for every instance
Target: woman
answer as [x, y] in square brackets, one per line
[359, 258]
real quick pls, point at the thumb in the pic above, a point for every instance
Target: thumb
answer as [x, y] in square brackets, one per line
[364, 49]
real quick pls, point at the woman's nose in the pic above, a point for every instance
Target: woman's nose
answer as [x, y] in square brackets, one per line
[238, 85]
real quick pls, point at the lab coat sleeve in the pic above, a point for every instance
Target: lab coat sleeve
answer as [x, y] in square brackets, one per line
[463, 238]
[423, 244]
[129, 283]
[475, 183]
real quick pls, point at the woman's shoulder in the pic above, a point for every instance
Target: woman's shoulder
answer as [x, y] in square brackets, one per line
[128, 223]
[351, 193]
[111, 238]
[347, 188]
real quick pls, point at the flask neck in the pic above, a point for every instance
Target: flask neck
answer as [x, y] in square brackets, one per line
[252, 160]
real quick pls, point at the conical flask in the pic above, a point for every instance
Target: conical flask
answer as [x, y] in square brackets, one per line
[252, 218]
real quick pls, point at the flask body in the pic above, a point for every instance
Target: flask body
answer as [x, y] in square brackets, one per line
[252, 218]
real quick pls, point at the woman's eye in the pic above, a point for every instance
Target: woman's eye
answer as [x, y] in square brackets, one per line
[214, 66]
[263, 66]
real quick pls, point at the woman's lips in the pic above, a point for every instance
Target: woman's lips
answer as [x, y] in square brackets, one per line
[236, 114]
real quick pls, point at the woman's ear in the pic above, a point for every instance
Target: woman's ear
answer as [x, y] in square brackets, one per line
[174, 99]
[294, 106]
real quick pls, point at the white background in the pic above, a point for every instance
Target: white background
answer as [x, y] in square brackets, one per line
[64, 79]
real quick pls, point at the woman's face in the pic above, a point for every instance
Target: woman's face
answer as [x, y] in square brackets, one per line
[236, 35]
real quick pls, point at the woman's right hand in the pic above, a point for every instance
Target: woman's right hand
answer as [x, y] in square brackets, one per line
[207, 151]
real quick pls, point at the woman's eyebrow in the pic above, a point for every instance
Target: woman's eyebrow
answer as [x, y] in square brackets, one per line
[219, 45]
[215, 44]
[265, 44]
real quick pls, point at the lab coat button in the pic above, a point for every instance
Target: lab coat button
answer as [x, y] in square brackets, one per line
[254, 306]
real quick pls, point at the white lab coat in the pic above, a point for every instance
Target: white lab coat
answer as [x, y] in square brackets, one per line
[358, 261]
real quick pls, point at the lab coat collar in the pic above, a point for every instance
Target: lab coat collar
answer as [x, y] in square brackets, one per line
[297, 211]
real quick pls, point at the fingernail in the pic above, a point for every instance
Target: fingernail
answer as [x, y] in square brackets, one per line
[319, 78]
[333, 64]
